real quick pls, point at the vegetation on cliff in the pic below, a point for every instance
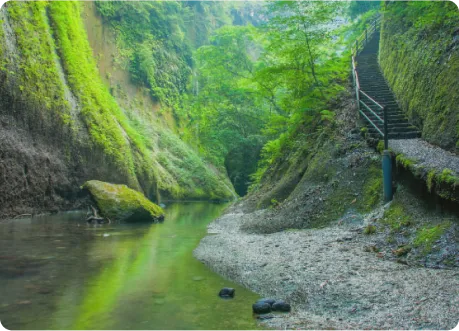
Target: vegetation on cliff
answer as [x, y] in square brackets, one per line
[245, 93]
[147, 156]
[419, 59]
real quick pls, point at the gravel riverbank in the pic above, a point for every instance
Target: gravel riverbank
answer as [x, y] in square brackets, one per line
[329, 277]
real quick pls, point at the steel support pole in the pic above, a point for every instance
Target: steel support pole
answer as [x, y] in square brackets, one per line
[387, 176]
[386, 129]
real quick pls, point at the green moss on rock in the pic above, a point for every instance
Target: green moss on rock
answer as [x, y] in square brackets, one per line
[396, 217]
[119, 202]
[419, 59]
[373, 189]
[369, 229]
[137, 148]
[426, 237]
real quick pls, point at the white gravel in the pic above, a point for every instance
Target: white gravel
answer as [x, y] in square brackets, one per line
[329, 279]
[426, 155]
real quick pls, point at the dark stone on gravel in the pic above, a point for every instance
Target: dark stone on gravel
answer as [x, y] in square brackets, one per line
[261, 308]
[227, 292]
[267, 300]
[281, 306]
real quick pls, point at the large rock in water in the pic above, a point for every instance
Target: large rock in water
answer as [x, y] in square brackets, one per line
[120, 203]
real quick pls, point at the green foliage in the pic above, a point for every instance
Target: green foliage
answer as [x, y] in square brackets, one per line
[426, 15]
[52, 33]
[301, 70]
[151, 37]
[157, 38]
[226, 110]
[357, 8]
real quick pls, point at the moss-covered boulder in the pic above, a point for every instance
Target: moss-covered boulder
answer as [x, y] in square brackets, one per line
[120, 203]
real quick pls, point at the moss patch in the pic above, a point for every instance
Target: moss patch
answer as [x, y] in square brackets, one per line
[396, 217]
[369, 229]
[444, 183]
[373, 189]
[426, 237]
[119, 202]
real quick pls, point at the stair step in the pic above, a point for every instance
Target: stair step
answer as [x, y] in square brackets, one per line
[373, 83]
[409, 135]
[395, 130]
[391, 118]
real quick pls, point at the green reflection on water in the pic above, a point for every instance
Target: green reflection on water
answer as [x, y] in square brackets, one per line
[126, 276]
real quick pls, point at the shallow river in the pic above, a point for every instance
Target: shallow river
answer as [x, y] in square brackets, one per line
[57, 272]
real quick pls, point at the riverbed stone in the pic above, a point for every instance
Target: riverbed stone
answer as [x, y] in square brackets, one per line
[227, 292]
[267, 300]
[120, 203]
[281, 305]
[261, 307]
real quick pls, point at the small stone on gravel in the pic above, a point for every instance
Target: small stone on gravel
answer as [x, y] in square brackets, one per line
[281, 306]
[261, 308]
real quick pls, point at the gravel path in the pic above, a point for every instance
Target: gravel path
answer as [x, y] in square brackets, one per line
[427, 155]
[328, 277]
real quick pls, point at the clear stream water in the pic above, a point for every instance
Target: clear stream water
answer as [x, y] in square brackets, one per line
[57, 272]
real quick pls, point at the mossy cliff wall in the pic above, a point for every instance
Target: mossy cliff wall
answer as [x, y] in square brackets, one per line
[62, 124]
[419, 56]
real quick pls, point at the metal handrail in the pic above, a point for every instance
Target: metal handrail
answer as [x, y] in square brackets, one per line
[371, 111]
[371, 99]
[360, 44]
[361, 40]
[371, 122]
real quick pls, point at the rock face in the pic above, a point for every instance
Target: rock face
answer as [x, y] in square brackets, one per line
[120, 203]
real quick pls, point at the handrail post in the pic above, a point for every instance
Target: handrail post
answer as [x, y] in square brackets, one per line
[357, 95]
[387, 162]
